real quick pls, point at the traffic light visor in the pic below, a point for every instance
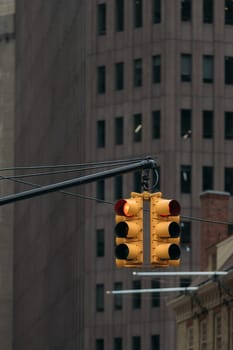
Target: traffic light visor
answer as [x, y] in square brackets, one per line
[166, 207]
[127, 207]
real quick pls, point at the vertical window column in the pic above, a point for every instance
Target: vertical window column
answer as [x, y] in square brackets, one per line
[101, 19]
[138, 13]
[119, 15]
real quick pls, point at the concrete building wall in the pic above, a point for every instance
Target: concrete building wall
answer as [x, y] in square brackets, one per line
[7, 75]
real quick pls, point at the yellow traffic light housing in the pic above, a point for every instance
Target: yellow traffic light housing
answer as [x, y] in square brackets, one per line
[129, 231]
[164, 231]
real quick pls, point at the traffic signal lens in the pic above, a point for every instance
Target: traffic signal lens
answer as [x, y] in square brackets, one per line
[122, 208]
[174, 207]
[174, 230]
[122, 251]
[121, 229]
[174, 251]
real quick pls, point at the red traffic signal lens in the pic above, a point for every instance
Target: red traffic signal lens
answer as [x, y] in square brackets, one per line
[174, 207]
[122, 208]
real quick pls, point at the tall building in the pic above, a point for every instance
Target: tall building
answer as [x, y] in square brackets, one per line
[111, 80]
[7, 75]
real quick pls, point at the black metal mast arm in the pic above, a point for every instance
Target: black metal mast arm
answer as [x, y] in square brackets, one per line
[147, 163]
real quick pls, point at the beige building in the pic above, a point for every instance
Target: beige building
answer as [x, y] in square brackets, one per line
[7, 76]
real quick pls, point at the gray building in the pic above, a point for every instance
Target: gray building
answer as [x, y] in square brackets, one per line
[112, 80]
[7, 75]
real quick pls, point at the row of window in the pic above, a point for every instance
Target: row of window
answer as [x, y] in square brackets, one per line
[185, 182]
[186, 72]
[156, 13]
[185, 127]
[135, 343]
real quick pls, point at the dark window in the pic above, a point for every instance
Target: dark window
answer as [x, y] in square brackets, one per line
[99, 297]
[207, 178]
[228, 12]
[101, 79]
[155, 296]
[137, 13]
[208, 69]
[101, 19]
[119, 15]
[136, 343]
[99, 344]
[186, 233]
[156, 11]
[207, 126]
[118, 344]
[137, 186]
[186, 10]
[229, 180]
[100, 242]
[228, 125]
[101, 133]
[119, 76]
[229, 69]
[155, 342]
[186, 67]
[156, 69]
[208, 11]
[185, 282]
[137, 72]
[155, 125]
[100, 190]
[118, 298]
[119, 130]
[136, 298]
[186, 123]
[118, 187]
[137, 127]
[185, 179]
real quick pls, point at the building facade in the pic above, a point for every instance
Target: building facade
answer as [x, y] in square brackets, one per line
[111, 80]
[7, 75]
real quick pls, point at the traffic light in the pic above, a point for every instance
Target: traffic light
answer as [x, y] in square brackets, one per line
[164, 231]
[129, 231]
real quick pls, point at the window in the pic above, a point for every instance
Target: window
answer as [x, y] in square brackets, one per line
[119, 76]
[155, 296]
[229, 125]
[118, 299]
[99, 297]
[156, 11]
[186, 128]
[207, 124]
[185, 282]
[100, 242]
[99, 344]
[137, 72]
[186, 67]
[185, 179]
[218, 331]
[208, 11]
[137, 182]
[190, 338]
[155, 342]
[229, 69]
[229, 180]
[119, 15]
[101, 19]
[137, 13]
[186, 234]
[207, 178]
[100, 133]
[186, 10]
[137, 127]
[100, 190]
[228, 12]
[136, 343]
[208, 69]
[136, 298]
[203, 334]
[119, 130]
[155, 125]
[118, 187]
[118, 344]
[156, 69]
[101, 79]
